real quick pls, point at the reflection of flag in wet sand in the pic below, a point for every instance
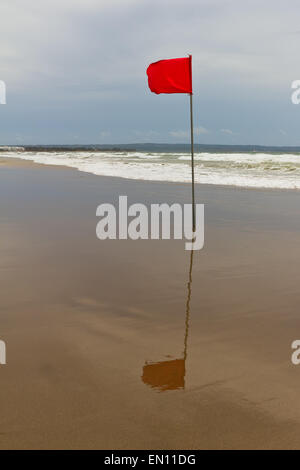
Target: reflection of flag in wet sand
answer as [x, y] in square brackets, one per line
[165, 375]
[170, 375]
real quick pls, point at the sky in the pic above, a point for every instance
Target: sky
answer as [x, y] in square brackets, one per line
[75, 71]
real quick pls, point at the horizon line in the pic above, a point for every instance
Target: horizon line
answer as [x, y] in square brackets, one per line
[187, 144]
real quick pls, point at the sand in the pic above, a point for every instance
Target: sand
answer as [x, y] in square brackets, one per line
[111, 345]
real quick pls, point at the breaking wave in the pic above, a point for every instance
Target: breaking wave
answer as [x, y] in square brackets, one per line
[252, 170]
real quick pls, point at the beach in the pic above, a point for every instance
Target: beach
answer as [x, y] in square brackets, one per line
[121, 344]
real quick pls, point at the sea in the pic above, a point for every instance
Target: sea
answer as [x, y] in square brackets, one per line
[239, 166]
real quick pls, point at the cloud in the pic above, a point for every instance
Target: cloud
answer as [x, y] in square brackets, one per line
[185, 134]
[115, 40]
[201, 130]
[72, 66]
[144, 135]
[180, 134]
[227, 131]
[104, 134]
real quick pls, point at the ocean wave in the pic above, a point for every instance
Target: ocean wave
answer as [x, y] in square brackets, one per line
[260, 170]
[245, 157]
[8, 148]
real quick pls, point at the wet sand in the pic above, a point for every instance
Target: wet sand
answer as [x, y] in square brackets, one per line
[120, 344]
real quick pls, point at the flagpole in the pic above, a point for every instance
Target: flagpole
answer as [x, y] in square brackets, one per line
[192, 149]
[192, 154]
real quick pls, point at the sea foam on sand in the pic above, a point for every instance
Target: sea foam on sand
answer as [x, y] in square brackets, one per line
[252, 170]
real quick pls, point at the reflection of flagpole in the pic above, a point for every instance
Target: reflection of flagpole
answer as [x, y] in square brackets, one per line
[187, 309]
[170, 375]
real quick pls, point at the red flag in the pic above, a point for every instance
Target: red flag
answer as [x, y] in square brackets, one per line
[171, 76]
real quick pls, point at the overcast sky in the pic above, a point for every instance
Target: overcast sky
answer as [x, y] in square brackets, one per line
[75, 70]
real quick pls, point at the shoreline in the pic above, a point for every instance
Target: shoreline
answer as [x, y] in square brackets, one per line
[21, 163]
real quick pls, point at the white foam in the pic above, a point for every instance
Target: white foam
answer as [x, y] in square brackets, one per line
[265, 170]
[245, 157]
